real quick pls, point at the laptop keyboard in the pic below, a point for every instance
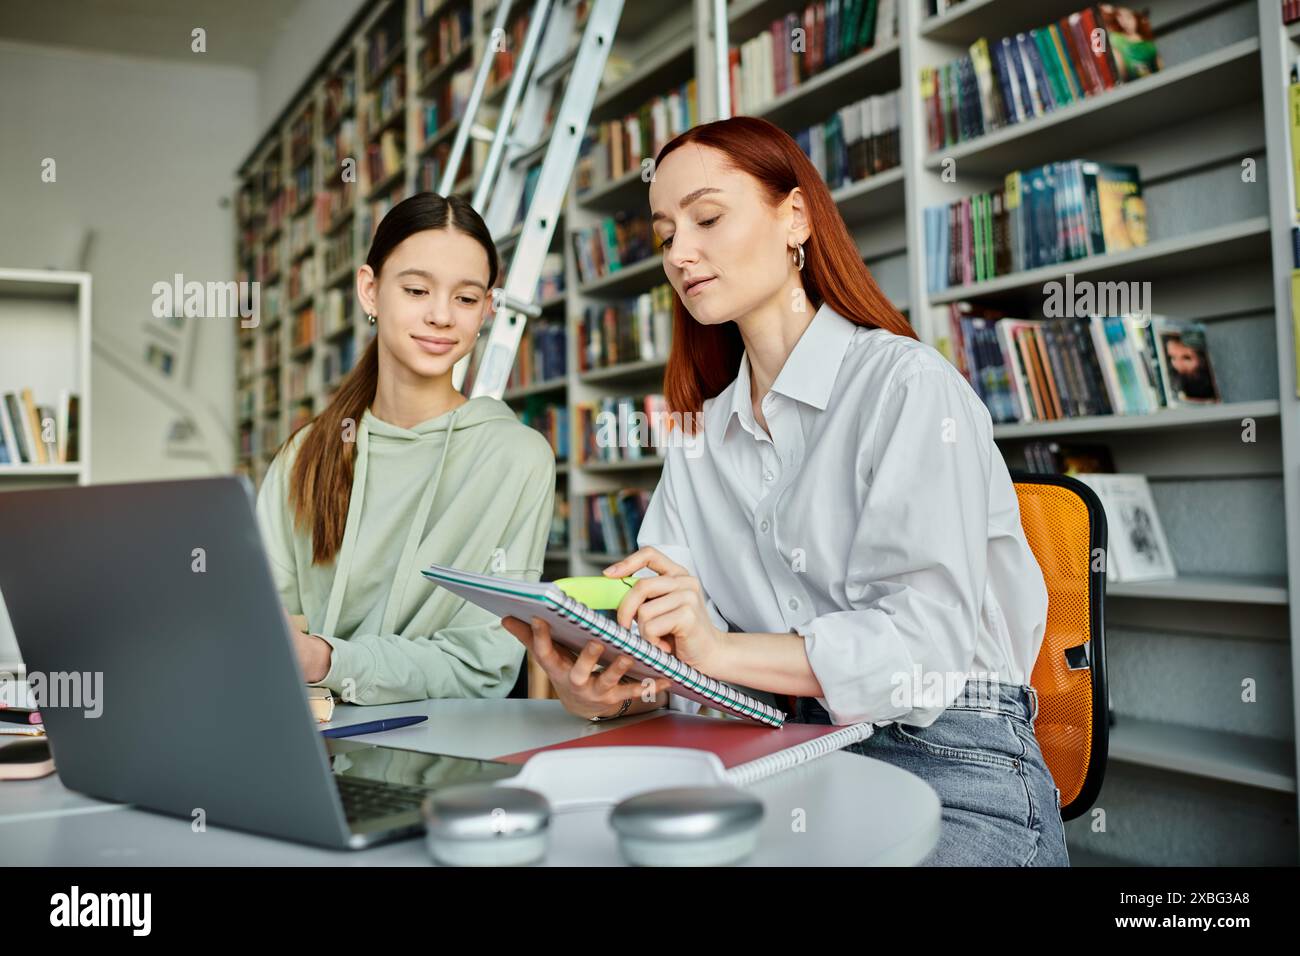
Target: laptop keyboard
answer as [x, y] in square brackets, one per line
[365, 799]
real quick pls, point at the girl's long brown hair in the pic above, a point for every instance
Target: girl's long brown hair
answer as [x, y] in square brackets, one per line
[320, 486]
[704, 359]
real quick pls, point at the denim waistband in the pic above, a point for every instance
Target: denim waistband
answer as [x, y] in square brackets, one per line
[982, 694]
[1014, 700]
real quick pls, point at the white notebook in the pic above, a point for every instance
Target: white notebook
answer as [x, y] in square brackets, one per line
[573, 625]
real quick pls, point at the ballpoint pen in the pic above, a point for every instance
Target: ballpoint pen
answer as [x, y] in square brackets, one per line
[373, 726]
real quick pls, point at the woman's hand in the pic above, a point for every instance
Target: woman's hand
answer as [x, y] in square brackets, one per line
[669, 610]
[314, 654]
[582, 691]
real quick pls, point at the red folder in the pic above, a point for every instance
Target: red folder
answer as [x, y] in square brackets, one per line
[735, 742]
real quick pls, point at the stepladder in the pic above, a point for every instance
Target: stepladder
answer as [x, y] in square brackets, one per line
[543, 118]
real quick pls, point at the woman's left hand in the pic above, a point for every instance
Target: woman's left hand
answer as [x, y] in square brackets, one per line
[669, 610]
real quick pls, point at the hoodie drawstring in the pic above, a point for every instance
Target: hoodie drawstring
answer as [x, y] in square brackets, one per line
[343, 567]
[404, 572]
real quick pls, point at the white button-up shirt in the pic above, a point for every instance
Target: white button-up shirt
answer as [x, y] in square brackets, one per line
[875, 517]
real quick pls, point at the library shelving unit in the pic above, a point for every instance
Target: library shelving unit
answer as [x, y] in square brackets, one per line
[1192, 743]
[44, 346]
[1187, 751]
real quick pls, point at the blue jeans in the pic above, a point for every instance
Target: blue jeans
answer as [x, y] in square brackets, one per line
[1000, 804]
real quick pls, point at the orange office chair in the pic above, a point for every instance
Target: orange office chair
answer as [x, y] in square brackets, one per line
[1066, 529]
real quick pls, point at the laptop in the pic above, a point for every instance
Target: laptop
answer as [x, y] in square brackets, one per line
[171, 682]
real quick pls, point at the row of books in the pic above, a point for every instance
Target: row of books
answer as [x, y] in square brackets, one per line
[611, 149]
[429, 176]
[798, 46]
[338, 251]
[299, 375]
[268, 262]
[446, 103]
[304, 277]
[300, 187]
[383, 41]
[276, 209]
[613, 243]
[35, 434]
[620, 428]
[1027, 370]
[630, 330]
[551, 419]
[1050, 457]
[859, 140]
[338, 143]
[1017, 78]
[558, 539]
[389, 98]
[384, 156]
[1041, 216]
[300, 235]
[541, 355]
[614, 520]
[334, 203]
[337, 310]
[338, 360]
[550, 283]
[304, 327]
[452, 33]
[340, 97]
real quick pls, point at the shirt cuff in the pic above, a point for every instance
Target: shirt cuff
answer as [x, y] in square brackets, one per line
[349, 663]
[860, 677]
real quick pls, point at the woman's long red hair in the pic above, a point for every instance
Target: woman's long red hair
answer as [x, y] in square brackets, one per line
[704, 359]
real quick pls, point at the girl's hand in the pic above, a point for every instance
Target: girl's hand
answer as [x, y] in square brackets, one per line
[669, 610]
[313, 653]
[582, 691]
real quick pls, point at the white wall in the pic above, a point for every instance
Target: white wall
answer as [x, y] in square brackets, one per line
[145, 155]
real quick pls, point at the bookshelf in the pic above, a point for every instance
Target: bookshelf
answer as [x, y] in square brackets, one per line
[1219, 252]
[45, 331]
[45, 328]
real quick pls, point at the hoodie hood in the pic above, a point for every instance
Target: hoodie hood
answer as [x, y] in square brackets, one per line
[442, 431]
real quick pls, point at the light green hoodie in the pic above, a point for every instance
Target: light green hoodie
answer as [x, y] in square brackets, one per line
[473, 488]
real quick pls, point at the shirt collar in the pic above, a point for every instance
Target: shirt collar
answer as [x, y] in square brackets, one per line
[807, 376]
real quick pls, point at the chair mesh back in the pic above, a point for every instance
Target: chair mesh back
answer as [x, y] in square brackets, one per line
[1057, 526]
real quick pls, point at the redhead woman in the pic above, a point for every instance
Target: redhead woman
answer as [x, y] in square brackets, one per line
[841, 534]
[401, 471]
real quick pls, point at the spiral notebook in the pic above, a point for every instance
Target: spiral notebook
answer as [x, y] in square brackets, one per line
[573, 625]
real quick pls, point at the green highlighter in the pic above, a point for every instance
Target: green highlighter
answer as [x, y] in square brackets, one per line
[599, 593]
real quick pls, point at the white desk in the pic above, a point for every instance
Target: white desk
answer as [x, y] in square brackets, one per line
[857, 811]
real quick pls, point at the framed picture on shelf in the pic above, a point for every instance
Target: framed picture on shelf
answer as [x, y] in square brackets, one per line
[1138, 548]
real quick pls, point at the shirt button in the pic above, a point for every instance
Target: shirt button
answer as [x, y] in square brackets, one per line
[763, 527]
[768, 476]
[794, 604]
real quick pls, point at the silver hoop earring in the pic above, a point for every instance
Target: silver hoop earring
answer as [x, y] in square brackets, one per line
[371, 318]
[799, 256]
